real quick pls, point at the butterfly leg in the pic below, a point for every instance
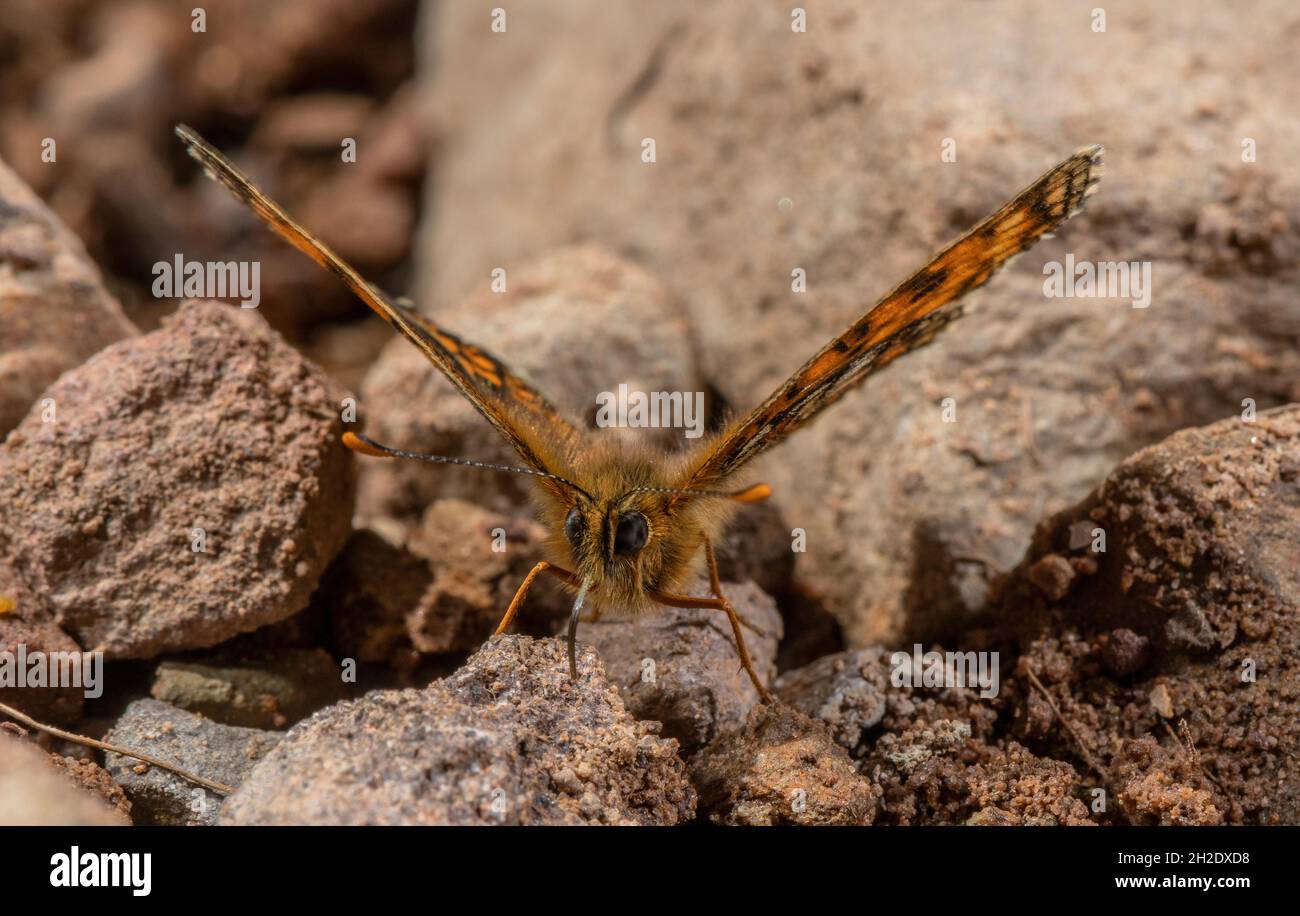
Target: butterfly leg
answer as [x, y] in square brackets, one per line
[719, 603]
[518, 600]
[715, 581]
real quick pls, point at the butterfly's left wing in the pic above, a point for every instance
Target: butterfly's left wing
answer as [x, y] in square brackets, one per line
[518, 411]
[907, 318]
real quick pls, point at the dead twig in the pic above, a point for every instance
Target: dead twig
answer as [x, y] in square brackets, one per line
[1183, 738]
[104, 746]
[1083, 748]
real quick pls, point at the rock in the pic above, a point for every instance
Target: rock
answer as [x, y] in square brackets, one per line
[94, 779]
[210, 432]
[922, 742]
[54, 310]
[756, 545]
[396, 141]
[474, 581]
[782, 768]
[853, 693]
[1164, 788]
[509, 739]
[123, 81]
[1032, 790]
[849, 692]
[305, 630]
[631, 331]
[1161, 701]
[1191, 608]
[36, 791]
[680, 666]
[26, 628]
[1198, 550]
[267, 690]
[367, 595]
[1124, 652]
[623, 46]
[1053, 575]
[368, 223]
[109, 82]
[445, 591]
[221, 753]
[316, 122]
[935, 754]
[778, 150]
[934, 773]
[366, 213]
[347, 352]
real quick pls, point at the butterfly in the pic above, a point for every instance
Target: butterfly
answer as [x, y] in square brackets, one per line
[628, 523]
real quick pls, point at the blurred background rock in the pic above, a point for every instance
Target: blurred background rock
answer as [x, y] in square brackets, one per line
[274, 85]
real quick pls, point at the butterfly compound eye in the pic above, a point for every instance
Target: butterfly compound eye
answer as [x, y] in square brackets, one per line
[573, 526]
[631, 534]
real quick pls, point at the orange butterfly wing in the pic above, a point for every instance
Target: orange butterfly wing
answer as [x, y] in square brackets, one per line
[904, 320]
[508, 402]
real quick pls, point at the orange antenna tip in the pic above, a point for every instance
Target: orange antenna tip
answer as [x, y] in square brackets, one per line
[755, 494]
[362, 446]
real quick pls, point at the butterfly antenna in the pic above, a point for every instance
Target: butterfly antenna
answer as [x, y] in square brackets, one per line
[364, 445]
[573, 628]
[755, 494]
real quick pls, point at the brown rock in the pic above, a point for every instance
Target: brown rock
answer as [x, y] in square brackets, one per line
[267, 690]
[507, 740]
[1037, 791]
[473, 580]
[933, 772]
[316, 122]
[220, 753]
[26, 624]
[211, 428]
[1053, 575]
[444, 592]
[848, 691]
[1160, 787]
[1202, 572]
[1199, 550]
[934, 753]
[1125, 652]
[395, 141]
[123, 80]
[921, 742]
[54, 310]
[369, 224]
[757, 545]
[854, 694]
[992, 817]
[108, 81]
[1161, 701]
[96, 780]
[367, 595]
[37, 791]
[782, 768]
[680, 666]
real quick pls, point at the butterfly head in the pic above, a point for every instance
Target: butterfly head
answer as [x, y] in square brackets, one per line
[628, 537]
[618, 542]
[619, 545]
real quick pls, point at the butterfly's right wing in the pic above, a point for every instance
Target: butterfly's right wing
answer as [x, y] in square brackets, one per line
[518, 410]
[906, 319]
